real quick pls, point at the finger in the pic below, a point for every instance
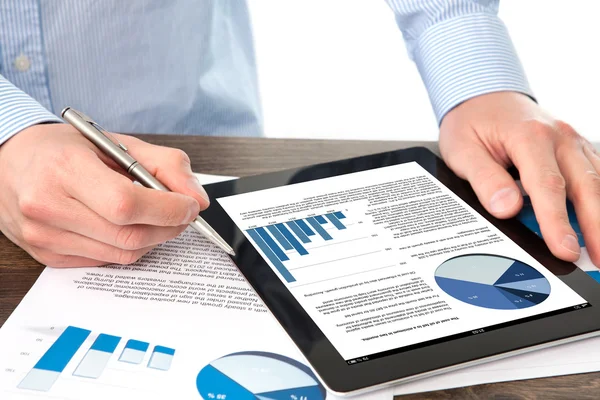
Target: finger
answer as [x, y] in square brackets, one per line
[50, 259]
[583, 184]
[127, 237]
[71, 244]
[543, 181]
[116, 199]
[170, 166]
[493, 185]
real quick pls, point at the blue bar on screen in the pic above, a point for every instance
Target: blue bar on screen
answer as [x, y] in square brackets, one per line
[271, 243]
[339, 215]
[62, 351]
[336, 222]
[271, 256]
[296, 229]
[304, 227]
[313, 222]
[288, 235]
[282, 241]
[321, 219]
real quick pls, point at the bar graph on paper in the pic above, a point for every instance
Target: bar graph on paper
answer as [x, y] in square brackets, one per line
[88, 355]
[319, 247]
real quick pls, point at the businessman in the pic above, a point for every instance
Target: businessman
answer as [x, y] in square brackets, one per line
[188, 67]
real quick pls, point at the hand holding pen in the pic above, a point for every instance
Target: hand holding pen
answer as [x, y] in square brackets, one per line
[71, 205]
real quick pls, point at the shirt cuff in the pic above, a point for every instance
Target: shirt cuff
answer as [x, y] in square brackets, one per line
[19, 111]
[465, 57]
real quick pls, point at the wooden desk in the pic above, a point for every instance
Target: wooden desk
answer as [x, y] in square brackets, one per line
[242, 156]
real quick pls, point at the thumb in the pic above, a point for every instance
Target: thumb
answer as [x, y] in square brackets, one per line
[495, 188]
[170, 166]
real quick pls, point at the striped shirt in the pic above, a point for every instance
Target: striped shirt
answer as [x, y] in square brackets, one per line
[188, 66]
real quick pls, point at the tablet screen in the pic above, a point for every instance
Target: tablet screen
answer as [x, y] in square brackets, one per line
[389, 259]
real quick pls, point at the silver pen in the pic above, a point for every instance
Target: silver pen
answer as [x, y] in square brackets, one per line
[110, 146]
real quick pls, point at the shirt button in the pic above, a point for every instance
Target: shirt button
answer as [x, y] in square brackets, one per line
[22, 63]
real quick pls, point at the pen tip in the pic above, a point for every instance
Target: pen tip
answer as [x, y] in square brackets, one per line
[231, 253]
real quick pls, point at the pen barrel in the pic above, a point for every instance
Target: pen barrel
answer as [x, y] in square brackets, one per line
[102, 142]
[146, 178]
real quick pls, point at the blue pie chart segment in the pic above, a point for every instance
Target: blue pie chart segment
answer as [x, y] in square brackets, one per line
[539, 285]
[258, 375]
[310, 392]
[226, 386]
[476, 294]
[493, 282]
[517, 272]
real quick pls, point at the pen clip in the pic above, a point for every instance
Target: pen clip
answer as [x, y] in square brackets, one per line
[101, 129]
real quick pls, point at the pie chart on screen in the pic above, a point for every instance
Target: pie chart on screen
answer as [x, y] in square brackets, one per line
[256, 375]
[492, 281]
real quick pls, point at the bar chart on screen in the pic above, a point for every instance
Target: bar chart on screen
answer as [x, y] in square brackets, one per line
[78, 355]
[317, 248]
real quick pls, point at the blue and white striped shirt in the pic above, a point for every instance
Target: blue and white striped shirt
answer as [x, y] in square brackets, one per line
[188, 66]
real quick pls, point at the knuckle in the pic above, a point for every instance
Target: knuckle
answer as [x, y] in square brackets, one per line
[122, 207]
[32, 235]
[486, 175]
[567, 131]
[180, 156]
[589, 184]
[538, 130]
[31, 206]
[172, 216]
[58, 261]
[552, 181]
[126, 257]
[130, 237]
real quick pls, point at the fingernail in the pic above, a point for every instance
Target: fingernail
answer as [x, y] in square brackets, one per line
[504, 199]
[571, 243]
[194, 184]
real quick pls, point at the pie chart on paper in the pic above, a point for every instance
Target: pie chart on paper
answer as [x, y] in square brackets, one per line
[257, 375]
[492, 281]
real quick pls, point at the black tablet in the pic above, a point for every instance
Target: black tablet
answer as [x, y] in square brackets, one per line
[385, 268]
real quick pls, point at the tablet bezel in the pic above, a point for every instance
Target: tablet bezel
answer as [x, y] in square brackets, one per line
[336, 374]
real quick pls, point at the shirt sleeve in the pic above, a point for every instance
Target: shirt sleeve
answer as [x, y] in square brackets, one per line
[19, 111]
[461, 49]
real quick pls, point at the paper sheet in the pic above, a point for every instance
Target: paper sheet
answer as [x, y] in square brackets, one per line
[162, 328]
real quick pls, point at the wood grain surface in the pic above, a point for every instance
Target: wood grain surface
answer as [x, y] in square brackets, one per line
[250, 156]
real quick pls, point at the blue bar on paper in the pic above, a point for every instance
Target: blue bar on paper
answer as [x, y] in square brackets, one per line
[336, 222]
[62, 351]
[106, 343]
[288, 235]
[313, 222]
[164, 350]
[271, 256]
[137, 345]
[304, 227]
[339, 215]
[282, 241]
[161, 358]
[320, 219]
[298, 231]
[271, 243]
